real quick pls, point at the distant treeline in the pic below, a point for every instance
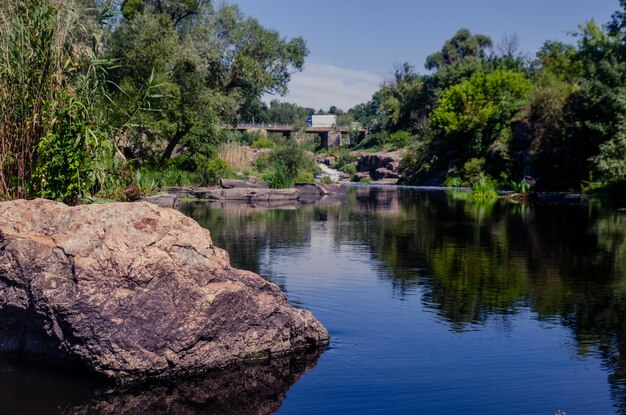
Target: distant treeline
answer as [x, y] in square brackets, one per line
[556, 119]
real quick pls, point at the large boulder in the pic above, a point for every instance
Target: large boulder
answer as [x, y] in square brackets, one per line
[380, 165]
[134, 291]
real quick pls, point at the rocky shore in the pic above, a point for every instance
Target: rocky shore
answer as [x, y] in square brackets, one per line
[251, 192]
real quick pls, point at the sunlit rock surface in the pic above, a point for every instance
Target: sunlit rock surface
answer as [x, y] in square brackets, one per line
[133, 291]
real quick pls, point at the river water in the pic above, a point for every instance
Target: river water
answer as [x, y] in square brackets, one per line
[435, 305]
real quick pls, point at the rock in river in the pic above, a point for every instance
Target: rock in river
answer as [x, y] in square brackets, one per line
[133, 291]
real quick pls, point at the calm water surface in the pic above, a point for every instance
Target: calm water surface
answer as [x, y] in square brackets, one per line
[439, 306]
[434, 305]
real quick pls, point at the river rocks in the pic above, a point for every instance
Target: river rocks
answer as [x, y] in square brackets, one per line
[134, 291]
[328, 160]
[246, 194]
[380, 165]
[249, 183]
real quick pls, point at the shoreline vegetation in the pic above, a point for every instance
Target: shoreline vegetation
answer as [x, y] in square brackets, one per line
[117, 100]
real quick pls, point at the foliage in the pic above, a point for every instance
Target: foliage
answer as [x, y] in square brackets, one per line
[236, 156]
[462, 46]
[66, 158]
[453, 181]
[523, 186]
[399, 139]
[263, 142]
[283, 165]
[35, 58]
[480, 107]
[484, 188]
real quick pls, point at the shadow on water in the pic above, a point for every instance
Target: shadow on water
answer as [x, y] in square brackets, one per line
[470, 262]
[245, 389]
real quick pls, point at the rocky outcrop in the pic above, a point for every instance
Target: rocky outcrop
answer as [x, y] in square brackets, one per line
[249, 183]
[380, 165]
[134, 291]
[328, 160]
[320, 189]
[246, 194]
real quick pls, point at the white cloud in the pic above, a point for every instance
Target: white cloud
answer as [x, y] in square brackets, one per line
[321, 86]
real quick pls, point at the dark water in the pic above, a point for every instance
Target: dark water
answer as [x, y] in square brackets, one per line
[434, 305]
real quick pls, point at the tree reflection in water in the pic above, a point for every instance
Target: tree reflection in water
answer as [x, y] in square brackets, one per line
[471, 262]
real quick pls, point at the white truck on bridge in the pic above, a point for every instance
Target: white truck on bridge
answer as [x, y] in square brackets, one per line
[322, 121]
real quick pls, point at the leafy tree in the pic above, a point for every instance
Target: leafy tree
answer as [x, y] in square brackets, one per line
[473, 118]
[287, 113]
[210, 64]
[462, 46]
[599, 104]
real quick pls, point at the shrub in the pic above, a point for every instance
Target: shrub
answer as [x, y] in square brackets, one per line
[263, 142]
[213, 170]
[399, 139]
[484, 188]
[284, 164]
[453, 181]
[473, 169]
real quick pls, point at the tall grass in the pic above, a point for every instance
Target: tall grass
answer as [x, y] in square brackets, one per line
[33, 51]
[237, 156]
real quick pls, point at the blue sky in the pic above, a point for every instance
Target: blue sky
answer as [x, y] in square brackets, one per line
[354, 44]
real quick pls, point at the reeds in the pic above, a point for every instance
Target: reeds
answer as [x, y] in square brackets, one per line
[33, 52]
[237, 156]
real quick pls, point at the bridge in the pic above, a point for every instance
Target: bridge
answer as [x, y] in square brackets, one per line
[330, 136]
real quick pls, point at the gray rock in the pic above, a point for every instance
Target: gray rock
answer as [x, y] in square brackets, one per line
[134, 291]
[380, 165]
[168, 200]
[250, 183]
[308, 189]
[249, 195]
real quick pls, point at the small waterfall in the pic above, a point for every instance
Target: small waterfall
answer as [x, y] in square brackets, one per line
[335, 175]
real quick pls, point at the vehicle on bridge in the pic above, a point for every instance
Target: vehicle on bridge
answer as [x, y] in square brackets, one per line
[322, 121]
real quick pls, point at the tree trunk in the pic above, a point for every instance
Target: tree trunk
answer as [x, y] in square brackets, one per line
[167, 154]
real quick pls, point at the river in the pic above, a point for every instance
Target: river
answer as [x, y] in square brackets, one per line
[435, 305]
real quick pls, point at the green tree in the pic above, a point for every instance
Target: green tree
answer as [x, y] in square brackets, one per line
[211, 65]
[462, 46]
[473, 118]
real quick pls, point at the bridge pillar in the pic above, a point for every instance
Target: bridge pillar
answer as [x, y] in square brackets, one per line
[330, 139]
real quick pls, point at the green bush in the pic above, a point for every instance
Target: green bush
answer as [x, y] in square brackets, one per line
[284, 164]
[399, 139]
[484, 188]
[213, 170]
[304, 177]
[453, 181]
[278, 176]
[473, 169]
[263, 142]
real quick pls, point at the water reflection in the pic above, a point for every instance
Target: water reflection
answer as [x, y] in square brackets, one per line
[246, 389]
[471, 263]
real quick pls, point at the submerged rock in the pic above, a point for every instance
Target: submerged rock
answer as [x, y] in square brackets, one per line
[133, 291]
